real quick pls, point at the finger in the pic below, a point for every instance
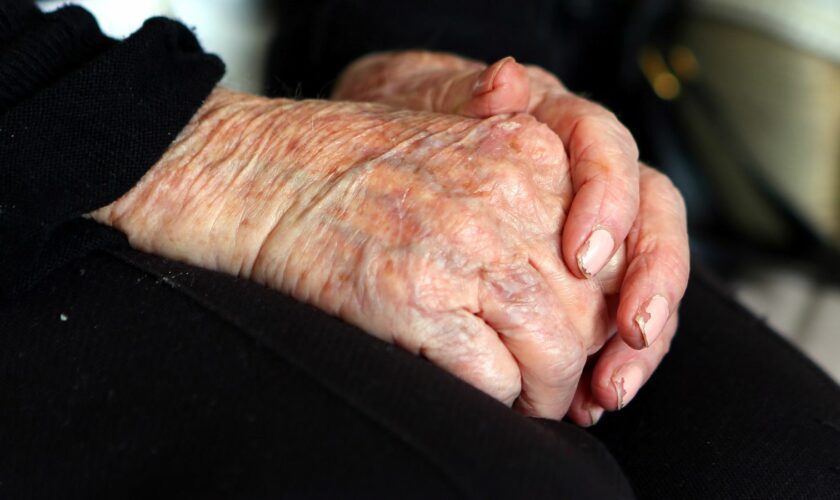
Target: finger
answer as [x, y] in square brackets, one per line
[500, 88]
[611, 276]
[621, 371]
[584, 410]
[473, 352]
[603, 160]
[374, 77]
[432, 82]
[478, 92]
[519, 305]
[658, 256]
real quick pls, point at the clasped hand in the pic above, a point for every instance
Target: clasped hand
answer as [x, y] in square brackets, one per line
[482, 217]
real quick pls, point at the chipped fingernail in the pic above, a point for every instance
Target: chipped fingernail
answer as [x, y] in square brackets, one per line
[652, 318]
[595, 253]
[627, 381]
[595, 414]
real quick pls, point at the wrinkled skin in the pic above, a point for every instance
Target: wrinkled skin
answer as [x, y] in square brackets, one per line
[439, 233]
[613, 194]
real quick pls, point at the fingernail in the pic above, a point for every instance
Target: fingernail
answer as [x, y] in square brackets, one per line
[595, 253]
[652, 318]
[487, 79]
[595, 414]
[627, 381]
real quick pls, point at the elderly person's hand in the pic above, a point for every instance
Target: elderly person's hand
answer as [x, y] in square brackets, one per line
[436, 232]
[616, 199]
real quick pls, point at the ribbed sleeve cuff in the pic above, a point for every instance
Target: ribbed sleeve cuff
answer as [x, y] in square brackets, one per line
[16, 15]
[46, 49]
[90, 133]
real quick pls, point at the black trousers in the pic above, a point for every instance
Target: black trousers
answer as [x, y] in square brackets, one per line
[126, 375]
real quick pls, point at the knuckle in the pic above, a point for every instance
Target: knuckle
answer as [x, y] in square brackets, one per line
[661, 182]
[652, 246]
[677, 198]
[511, 188]
[462, 351]
[671, 260]
[623, 193]
[567, 358]
[626, 139]
[458, 230]
[521, 142]
[680, 268]
[532, 134]
[569, 368]
[504, 386]
[602, 120]
[526, 120]
[538, 74]
[515, 178]
[663, 189]
[520, 289]
[604, 139]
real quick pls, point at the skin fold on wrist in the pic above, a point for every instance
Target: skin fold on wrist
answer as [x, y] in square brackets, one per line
[197, 195]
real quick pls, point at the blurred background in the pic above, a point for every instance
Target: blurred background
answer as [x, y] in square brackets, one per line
[737, 100]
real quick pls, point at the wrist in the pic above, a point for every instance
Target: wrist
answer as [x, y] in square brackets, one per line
[248, 170]
[193, 205]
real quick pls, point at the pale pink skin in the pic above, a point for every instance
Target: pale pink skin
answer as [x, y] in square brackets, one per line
[436, 232]
[616, 199]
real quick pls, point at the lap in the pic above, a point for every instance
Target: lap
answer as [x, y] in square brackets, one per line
[138, 376]
[734, 411]
[133, 372]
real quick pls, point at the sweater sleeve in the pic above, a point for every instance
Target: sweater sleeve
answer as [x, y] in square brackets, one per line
[82, 118]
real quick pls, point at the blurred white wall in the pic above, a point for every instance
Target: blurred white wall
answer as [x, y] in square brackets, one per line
[236, 30]
[812, 25]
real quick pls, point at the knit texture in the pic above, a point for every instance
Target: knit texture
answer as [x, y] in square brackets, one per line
[82, 118]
